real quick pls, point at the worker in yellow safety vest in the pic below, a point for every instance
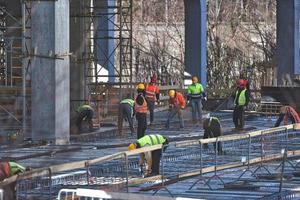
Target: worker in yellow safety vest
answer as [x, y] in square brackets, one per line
[126, 111]
[241, 100]
[8, 169]
[153, 158]
[195, 95]
[84, 113]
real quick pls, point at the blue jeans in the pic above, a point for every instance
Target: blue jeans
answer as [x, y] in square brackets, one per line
[172, 113]
[196, 108]
[151, 110]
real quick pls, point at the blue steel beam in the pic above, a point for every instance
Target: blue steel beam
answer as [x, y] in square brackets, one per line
[104, 36]
[287, 39]
[195, 39]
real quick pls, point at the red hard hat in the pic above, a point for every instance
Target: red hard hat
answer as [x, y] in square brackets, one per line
[240, 83]
[153, 78]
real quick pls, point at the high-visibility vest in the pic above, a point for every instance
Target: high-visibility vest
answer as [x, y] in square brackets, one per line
[128, 101]
[141, 108]
[151, 91]
[211, 119]
[293, 113]
[84, 107]
[242, 97]
[195, 88]
[152, 139]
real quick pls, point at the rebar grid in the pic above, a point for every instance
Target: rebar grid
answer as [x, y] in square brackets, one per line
[176, 160]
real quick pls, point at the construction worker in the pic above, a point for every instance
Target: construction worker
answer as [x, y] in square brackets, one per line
[241, 100]
[176, 104]
[126, 111]
[152, 96]
[84, 113]
[141, 108]
[8, 169]
[212, 128]
[195, 95]
[153, 158]
[286, 113]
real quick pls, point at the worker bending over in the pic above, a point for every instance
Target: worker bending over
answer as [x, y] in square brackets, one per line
[141, 108]
[176, 105]
[241, 100]
[126, 111]
[152, 158]
[152, 96]
[8, 169]
[195, 95]
[286, 113]
[84, 113]
[212, 128]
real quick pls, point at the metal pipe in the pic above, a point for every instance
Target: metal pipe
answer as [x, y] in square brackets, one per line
[201, 158]
[127, 173]
[24, 66]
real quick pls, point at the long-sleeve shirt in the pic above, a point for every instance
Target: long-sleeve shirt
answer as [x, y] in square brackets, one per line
[178, 100]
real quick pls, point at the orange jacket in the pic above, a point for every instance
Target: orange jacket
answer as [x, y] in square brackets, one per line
[151, 91]
[291, 111]
[178, 100]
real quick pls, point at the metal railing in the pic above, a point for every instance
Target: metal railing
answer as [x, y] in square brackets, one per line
[181, 160]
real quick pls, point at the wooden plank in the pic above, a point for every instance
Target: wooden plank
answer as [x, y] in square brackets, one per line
[143, 150]
[169, 87]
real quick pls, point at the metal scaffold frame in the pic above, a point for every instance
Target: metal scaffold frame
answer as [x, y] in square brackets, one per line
[118, 14]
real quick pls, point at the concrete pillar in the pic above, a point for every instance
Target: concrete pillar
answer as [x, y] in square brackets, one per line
[104, 36]
[50, 77]
[78, 37]
[287, 41]
[195, 38]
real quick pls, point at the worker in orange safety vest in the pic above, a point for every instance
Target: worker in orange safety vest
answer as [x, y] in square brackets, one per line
[152, 96]
[141, 109]
[286, 113]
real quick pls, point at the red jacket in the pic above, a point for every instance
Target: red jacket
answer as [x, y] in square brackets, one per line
[291, 111]
[151, 91]
[178, 100]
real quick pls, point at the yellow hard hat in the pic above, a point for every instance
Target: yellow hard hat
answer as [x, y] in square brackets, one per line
[172, 93]
[131, 147]
[141, 86]
[195, 79]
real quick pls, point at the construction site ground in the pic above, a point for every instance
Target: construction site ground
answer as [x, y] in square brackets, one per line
[258, 180]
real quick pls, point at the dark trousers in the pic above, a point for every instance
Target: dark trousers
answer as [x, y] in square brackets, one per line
[238, 117]
[141, 124]
[214, 130]
[156, 156]
[88, 116]
[196, 108]
[151, 110]
[281, 117]
[172, 113]
[125, 112]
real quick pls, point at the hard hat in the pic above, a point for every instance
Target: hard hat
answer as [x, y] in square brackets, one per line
[131, 147]
[141, 86]
[206, 116]
[172, 93]
[195, 79]
[153, 78]
[240, 83]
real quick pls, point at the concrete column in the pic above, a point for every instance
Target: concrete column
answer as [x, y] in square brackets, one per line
[77, 46]
[104, 36]
[195, 38]
[287, 41]
[50, 77]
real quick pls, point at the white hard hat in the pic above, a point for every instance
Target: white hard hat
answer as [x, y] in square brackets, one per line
[206, 116]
